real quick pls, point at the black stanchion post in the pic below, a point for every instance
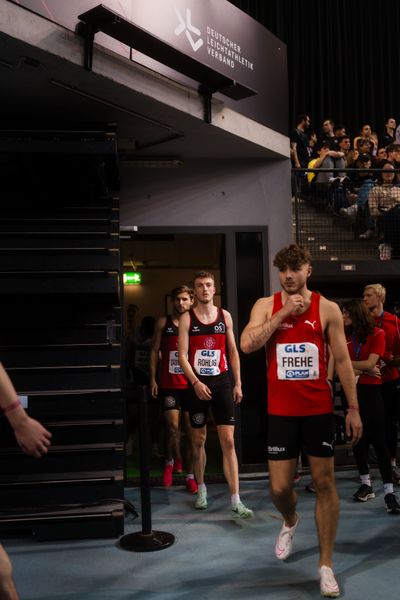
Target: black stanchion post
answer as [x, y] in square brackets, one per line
[146, 540]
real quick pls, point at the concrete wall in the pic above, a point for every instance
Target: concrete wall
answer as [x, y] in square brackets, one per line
[212, 194]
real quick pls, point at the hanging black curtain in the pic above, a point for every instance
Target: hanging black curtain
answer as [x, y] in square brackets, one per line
[343, 57]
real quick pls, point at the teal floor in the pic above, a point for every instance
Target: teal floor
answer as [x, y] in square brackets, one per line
[217, 558]
[157, 459]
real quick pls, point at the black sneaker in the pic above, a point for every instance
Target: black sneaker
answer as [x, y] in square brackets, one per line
[364, 493]
[392, 506]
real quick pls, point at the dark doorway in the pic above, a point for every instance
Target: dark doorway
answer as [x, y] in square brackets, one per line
[168, 257]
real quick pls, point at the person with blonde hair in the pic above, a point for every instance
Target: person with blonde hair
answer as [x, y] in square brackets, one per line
[374, 296]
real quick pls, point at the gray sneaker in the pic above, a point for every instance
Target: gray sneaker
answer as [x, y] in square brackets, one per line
[240, 511]
[201, 500]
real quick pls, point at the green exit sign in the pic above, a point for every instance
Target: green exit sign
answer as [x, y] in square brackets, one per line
[133, 278]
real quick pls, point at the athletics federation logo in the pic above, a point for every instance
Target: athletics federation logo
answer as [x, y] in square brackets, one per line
[188, 28]
[209, 343]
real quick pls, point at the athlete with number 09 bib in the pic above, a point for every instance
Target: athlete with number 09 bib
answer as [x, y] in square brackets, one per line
[207, 353]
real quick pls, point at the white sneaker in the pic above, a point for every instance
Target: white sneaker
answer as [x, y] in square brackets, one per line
[350, 211]
[328, 584]
[284, 543]
[201, 500]
[240, 511]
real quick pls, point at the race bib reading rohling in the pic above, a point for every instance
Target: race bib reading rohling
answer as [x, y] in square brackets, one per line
[206, 362]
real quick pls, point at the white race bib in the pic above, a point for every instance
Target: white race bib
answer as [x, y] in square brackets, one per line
[206, 362]
[297, 361]
[173, 363]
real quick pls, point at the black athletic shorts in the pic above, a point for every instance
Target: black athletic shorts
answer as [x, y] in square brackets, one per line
[287, 436]
[174, 399]
[221, 404]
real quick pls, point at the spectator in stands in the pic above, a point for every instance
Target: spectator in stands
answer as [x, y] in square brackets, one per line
[397, 136]
[328, 188]
[344, 145]
[389, 133]
[384, 205]
[366, 135]
[393, 156]
[339, 131]
[327, 159]
[364, 182]
[312, 145]
[380, 158]
[299, 151]
[327, 134]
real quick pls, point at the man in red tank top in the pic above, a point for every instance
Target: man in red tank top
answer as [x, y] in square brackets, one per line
[374, 297]
[207, 352]
[296, 325]
[172, 387]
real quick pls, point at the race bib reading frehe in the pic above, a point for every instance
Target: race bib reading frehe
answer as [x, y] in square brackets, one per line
[173, 364]
[297, 361]
[206, 362]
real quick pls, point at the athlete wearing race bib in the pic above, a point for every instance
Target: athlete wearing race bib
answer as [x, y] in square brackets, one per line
[206, 342]
[173, 387]
[295, 325]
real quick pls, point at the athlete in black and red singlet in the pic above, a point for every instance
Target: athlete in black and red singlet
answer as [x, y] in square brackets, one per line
[295, 325]
[207, 353]
[173, 387]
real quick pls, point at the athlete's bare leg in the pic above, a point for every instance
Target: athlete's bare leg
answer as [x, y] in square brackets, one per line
[281, 475]
[7, 587]
[199, 454]
[229, 458]
[173, 435]
[189, 444]
[326, 507]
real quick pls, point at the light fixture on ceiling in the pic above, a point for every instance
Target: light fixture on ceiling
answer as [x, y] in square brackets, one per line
[151, 162]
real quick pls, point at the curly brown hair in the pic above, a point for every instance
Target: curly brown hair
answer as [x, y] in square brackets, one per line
[292, 256]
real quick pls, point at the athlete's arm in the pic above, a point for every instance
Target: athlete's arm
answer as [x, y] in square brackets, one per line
[31, 436]
[234, 360]
[202, 391]
[154, 354]
[263, 323]
[332, 321]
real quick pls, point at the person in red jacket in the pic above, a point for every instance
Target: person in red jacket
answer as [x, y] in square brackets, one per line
[172, 387]
[374, 297]
[366, 344]
[296, 325]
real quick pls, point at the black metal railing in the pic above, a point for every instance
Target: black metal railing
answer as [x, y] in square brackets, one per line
[334, 218]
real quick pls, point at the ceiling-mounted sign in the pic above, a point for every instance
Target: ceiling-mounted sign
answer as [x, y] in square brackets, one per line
[214, 32]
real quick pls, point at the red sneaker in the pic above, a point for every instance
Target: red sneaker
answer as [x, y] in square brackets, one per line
[191, 486]
[167, 475]
[178, 467]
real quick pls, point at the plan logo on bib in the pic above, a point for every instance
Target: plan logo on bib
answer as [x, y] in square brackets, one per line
[185, 25]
